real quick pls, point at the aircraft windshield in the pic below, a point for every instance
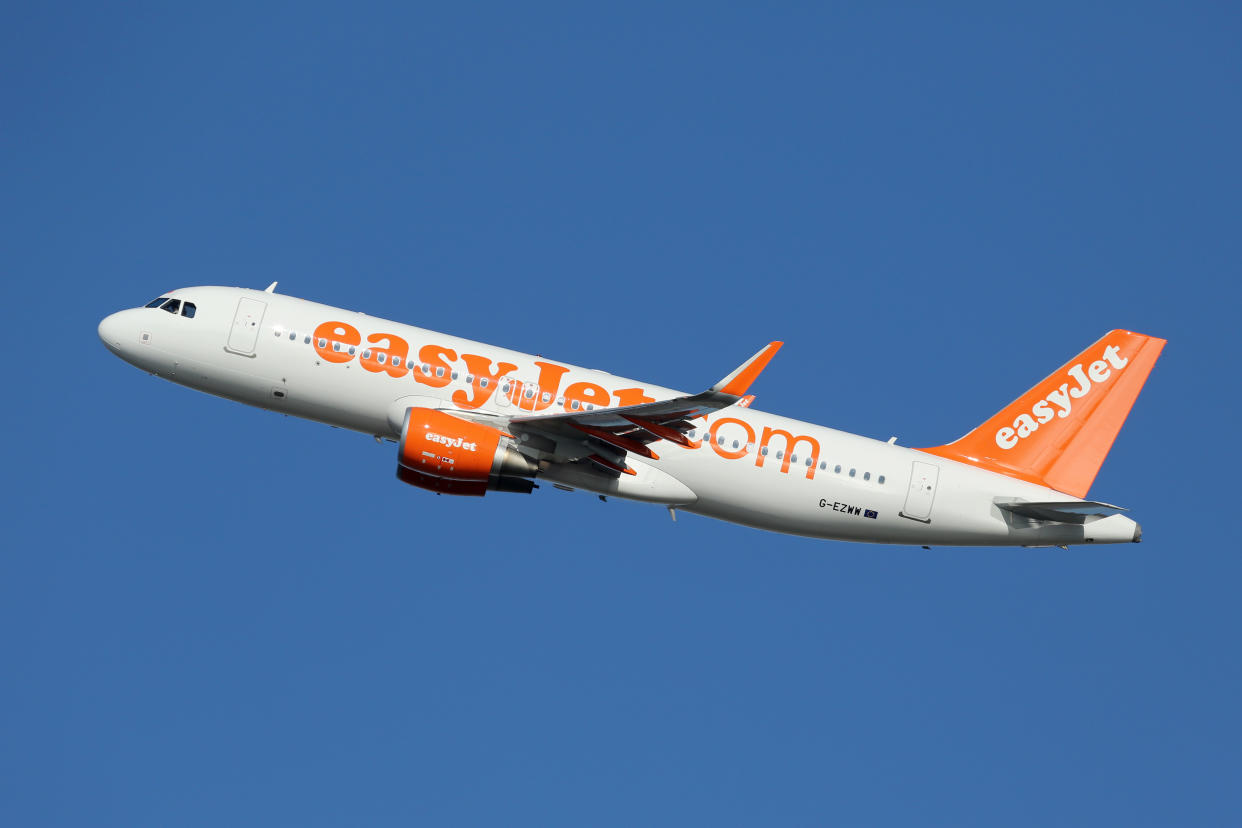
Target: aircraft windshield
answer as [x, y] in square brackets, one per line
[173, 306]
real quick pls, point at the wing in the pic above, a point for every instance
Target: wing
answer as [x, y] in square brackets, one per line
[605, 436]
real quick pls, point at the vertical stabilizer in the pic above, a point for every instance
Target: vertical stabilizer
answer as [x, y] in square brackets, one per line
[1058, 433]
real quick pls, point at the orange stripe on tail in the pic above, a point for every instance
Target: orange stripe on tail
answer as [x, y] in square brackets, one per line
[1058, 433]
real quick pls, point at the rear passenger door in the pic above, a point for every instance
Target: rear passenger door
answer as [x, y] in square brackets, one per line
[922, 492]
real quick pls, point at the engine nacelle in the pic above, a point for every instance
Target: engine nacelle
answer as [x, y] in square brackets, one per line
[449, 455]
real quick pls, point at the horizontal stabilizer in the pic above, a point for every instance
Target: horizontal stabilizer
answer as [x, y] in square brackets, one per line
[1072, 511]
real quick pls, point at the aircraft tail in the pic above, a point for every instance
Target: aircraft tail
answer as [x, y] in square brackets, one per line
[1058, 433]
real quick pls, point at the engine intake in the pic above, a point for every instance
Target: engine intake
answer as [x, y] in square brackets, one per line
[449, 455]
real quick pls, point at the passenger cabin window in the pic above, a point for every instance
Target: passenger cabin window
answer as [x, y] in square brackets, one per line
[188, 309]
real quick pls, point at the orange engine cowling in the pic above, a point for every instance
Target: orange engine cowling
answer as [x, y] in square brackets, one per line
[450, 455]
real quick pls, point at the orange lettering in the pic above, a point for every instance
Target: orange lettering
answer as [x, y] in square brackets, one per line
[731, 454]
[515, 392]
[394, 354]
[790, 443]
[435, 357]
[586, 392]
[332, 332]
[549, 383]
[484, 380]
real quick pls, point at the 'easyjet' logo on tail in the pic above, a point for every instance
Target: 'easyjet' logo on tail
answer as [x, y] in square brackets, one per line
[1059, 402]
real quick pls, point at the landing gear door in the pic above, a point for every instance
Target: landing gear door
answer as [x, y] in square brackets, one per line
[922, 492]
[245, 331]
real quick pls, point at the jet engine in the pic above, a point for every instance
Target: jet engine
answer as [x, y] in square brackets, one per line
[449, 455]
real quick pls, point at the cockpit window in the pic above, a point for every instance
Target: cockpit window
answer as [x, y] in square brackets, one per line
[172, 306]
[188, 310]
[155, 303]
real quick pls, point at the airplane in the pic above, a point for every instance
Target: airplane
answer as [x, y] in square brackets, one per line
[468, 418]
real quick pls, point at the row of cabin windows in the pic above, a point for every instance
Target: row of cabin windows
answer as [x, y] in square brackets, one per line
[575, 405]
[173, 306]
[529, 393]
[793, 458]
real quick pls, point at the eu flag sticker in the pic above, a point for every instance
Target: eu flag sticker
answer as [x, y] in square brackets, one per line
[871, 513]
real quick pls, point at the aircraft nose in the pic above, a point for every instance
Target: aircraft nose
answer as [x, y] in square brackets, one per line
[111, 332]
[119, 333]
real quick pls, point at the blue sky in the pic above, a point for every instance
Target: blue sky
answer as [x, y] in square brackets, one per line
[215, 615]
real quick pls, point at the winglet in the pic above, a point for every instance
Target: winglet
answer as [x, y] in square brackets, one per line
[739, 381]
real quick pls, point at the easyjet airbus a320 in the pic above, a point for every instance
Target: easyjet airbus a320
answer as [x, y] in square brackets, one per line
[468, 418]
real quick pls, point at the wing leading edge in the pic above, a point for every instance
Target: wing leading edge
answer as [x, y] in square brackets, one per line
[604, 436]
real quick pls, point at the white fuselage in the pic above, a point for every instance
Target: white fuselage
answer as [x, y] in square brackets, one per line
[747, 466]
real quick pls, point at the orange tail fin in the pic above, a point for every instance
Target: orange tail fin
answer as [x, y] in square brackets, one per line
[1058, 433]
